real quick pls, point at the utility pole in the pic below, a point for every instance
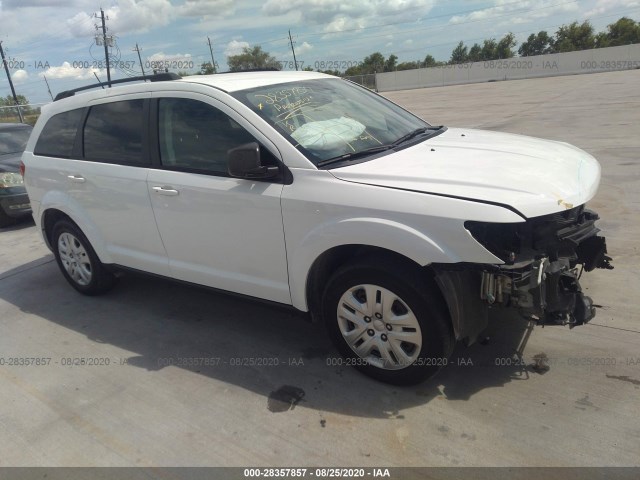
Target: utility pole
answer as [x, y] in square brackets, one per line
[140, 59]
[294, 52]
[47, 82]
[13, 90]
[107, 43]
[213, 62]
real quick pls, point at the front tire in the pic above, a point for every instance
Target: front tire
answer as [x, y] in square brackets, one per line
[78, 261]
[388, 321]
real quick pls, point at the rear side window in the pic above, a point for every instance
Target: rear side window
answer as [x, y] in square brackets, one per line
[113, 133]
[59, 134]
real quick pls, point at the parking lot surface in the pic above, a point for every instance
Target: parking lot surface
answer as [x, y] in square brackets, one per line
[160, 374]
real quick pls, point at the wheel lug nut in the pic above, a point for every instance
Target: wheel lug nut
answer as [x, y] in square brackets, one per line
[371, 332]
[389, 327]
[378, 315]
[383, 337]
[367, 319]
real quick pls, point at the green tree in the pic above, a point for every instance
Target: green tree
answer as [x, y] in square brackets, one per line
[459, 54]
[373, 63]
[391, 63]
[575, 36]
[8, 101]
[475, 53]
[429, 62]
[536, 44]
[489, 48]
[407, 66]
[622, 32]
[206, 69]
[504, 47]
[252, 58]
[602, 40]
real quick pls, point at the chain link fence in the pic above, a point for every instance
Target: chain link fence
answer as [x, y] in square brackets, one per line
[20, 114]
[368, 80]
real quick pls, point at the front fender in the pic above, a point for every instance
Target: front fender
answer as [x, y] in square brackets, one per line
[373, 232]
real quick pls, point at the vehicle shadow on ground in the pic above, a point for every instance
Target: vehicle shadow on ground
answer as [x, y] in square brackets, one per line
[19, 224]
[271, 351]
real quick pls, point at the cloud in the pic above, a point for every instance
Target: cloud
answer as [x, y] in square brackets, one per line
[603, 6]
[81, 25]
[161, 56]
[304, 48]
[340, 15]
[19, 76]
[235, 47]
[531, 10]
[126, 17]
[66, 70]
[205, 8]
[136, 16]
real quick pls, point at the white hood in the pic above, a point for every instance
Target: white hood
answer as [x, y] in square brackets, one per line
[534, 176]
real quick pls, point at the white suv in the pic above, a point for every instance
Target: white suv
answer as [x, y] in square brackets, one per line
[307, 190]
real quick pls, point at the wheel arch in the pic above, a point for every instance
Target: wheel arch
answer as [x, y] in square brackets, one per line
[50, 215]
[330, 260]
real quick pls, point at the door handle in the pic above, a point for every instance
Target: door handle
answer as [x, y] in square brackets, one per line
[76, 178]
[166, 190]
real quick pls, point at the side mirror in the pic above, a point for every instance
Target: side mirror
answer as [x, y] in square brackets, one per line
[244, 162]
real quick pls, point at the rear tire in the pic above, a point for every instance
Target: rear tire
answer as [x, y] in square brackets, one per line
[388, 320]
[78, 261]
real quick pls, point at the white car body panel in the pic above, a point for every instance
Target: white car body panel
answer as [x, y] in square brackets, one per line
[111, 206]
[321, 212]
[223, 232]
[534, 176]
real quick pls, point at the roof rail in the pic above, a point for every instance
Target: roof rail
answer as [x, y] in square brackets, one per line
[159, 77]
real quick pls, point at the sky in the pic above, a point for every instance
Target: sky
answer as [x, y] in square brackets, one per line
[56, 39]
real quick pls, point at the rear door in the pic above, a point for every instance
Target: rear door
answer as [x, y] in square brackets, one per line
[110, 184]
[218, 231]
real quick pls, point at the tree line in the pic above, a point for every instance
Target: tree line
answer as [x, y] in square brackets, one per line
[568, 38]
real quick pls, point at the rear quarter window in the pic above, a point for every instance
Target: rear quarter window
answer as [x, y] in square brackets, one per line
[59, 134]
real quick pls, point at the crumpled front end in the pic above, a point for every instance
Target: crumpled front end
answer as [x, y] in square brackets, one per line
[544, 259]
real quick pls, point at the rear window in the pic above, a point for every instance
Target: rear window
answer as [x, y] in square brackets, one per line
[59, 134]
[113, 133]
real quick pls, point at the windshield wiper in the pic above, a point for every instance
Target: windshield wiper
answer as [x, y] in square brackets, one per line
[379, 148]
[354, 155]
[415, 133]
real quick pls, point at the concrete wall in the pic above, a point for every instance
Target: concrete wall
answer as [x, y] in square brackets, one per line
[586, 61]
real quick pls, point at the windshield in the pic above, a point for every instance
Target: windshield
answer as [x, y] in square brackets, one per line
[330, 119]
[14, 140]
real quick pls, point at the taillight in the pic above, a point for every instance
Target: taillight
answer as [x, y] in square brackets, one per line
[22, 168]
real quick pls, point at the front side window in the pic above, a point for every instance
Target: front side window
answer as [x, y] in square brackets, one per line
[197, 136]
[59, 135]
[328, 119]
[113, 133]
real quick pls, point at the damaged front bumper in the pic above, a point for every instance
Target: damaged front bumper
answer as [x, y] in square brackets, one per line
[544, 258]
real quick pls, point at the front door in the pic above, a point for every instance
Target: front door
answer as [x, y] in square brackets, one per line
[218, 231]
